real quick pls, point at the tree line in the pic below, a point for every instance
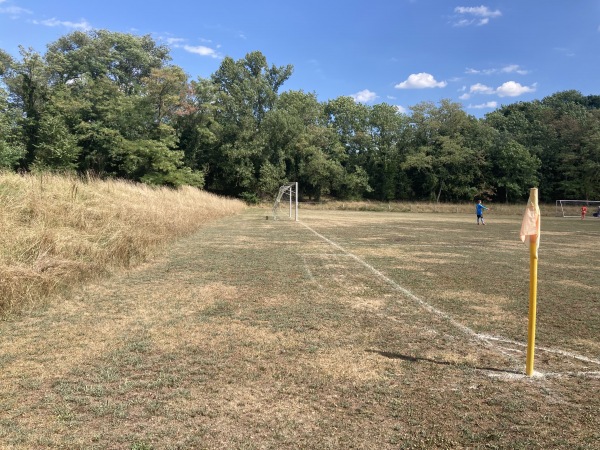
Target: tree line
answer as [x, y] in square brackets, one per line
[112, 104]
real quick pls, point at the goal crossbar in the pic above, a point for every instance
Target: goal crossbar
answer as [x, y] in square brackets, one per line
[572, 208]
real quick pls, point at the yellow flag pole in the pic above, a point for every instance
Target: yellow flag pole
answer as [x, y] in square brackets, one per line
[533, 266]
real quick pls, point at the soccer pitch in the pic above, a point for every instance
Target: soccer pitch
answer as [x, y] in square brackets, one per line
[473, 278]
[342, 330]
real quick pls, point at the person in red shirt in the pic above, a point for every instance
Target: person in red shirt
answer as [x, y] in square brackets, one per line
[583, 212]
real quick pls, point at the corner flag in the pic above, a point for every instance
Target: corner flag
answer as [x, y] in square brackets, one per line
[530, 227]
[531, 221]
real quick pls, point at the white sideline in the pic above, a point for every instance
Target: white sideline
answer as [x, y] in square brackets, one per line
[486, 339]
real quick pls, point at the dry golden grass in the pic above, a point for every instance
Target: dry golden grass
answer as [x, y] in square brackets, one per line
[260, 334]
[56, 231]
[424, 207]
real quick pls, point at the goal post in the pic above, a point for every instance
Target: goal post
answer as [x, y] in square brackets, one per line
[572, 208]
[289, 192]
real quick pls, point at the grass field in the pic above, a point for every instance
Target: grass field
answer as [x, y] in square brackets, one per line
[344, 330]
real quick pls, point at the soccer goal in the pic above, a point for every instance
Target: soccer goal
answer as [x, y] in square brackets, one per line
[287, 192]
[572, 208]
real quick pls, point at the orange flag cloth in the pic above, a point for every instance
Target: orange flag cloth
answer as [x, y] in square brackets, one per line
[531, 221]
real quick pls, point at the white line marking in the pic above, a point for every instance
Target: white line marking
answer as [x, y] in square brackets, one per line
[545, 349]
[310, 275]
[397, 287]
[322, 255]
[539, 375]
[484, 338]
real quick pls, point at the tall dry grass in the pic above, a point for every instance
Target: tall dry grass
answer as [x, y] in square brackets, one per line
[57, 231]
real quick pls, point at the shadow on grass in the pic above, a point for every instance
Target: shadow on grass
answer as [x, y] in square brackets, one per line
[409, 358]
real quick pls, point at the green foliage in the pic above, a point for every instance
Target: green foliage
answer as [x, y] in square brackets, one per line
[27, 83]
[355, 184]
[56, 147]
[560, 131]
[12, 149]
[234, 104]
[110, 103]
[441, 156]
[152, 162]
[123, 58]
[271, 177]
[513, 168]
[250, 198]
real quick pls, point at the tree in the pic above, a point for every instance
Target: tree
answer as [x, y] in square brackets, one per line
[580, 155]
[121, 102]
[320, 167]
[124, 59]
[154, 162]
[570, 158]
[284, 131]
[245, 91]
[440, 157]
[56, 147]
[350, 120]
[103, 119]
[384, 158]
[12, 149]
[198, 129]
[513, 169]
[165, 89]
[27, 82]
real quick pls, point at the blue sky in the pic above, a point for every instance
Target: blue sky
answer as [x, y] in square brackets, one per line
[402, 52]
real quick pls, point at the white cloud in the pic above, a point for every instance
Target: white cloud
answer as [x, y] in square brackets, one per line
[514, 89]
[364, 96]
[511, 68]
[488, 105]
[14, 11]
[478, 11]
[463, 23]
[565, 51]
[474, 15]
[174, 41]
[201, 50]
[401, 109]
[420, 81]
[479, 88]
[81, 25]
[514, 68]
[508, 89]
[471, 71]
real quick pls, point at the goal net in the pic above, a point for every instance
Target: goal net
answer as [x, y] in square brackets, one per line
[288, 193]
[572, 208]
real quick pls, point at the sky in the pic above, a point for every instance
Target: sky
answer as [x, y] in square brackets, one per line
[402, 52]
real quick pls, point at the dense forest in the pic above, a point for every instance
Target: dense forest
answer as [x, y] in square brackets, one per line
[113, 105]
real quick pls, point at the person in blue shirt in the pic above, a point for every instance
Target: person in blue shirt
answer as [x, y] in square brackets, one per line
[479, 208]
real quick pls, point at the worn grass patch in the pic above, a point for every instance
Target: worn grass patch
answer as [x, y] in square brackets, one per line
[347, 330]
